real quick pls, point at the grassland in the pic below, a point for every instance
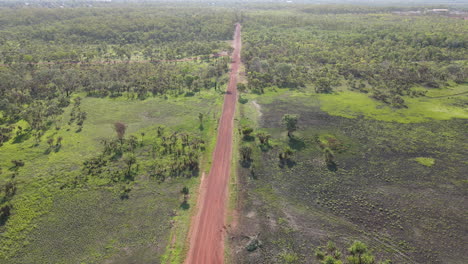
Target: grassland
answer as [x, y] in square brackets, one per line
[439, 104]
[54, 223]
[399, 184]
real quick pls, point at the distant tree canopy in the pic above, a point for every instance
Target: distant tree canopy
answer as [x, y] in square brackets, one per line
[44, 34]
[378, 53]
[47, 55]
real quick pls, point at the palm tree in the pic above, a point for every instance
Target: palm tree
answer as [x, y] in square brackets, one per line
[290, 121]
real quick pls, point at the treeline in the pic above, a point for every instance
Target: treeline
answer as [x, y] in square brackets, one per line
[380, 54]
[42, 96]
[74, 34]
[47, 55]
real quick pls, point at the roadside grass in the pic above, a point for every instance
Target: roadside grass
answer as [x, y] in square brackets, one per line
[379, 194]
[177, 247]
[232, 214]
[92, 223]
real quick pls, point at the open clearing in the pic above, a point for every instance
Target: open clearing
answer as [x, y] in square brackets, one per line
[397, 187]
[94, 225]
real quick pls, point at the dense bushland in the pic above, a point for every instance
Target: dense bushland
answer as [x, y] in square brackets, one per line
[383, 55]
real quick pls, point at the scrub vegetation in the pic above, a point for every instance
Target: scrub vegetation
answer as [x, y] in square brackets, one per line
[105, 127]
[377, 153]
[351, 131]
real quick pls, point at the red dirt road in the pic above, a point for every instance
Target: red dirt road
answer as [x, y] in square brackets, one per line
[207, 229]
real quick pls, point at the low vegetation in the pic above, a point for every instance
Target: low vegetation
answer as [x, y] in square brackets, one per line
[100, 132]
[375, 153]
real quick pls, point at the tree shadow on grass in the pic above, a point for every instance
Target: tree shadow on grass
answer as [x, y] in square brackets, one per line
[286, 163]
[195, 172]
[21, 138]
[5, 214]
[248, 138]
[265, 147]
[246, 163]
[185, 205]
[332, 166]
[124, 196]
[296, 143]
[253, 174]
[57, 148]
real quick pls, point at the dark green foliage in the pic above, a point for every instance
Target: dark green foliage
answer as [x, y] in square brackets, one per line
[290, 122]
[358, 253]
[246, 153]
[254, 244]
[7, 192]
[58, 55]
[382, 55]
[247, 133]
[5, 134]
[286, 153]
[264, 138]
[185, 190]
[241, 87]
[285, 157]
[176, 155]
[17, 163]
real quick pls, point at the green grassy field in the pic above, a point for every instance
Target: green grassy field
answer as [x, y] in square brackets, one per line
[399, 182]
[54, 223]
[440, 104]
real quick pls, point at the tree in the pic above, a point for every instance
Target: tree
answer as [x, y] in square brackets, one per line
[132, 143]
[185, 190]
[241, 87]
[329, 159]
[50, 141]
[245, 152]
[263, 137]
[286, 154]
[359, 254]
[331, 260]
[120, 129]
[247, 131]
[59, 142]
[200, 117]
[130, 160]
[290, 121]
[323, 85]
[142, 138]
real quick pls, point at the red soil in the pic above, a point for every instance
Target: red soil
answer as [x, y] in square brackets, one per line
[208, 226]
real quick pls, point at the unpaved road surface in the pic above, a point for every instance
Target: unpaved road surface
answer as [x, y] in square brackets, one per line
[208, 227]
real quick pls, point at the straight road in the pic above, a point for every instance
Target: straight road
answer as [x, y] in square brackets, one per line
[207, 230]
